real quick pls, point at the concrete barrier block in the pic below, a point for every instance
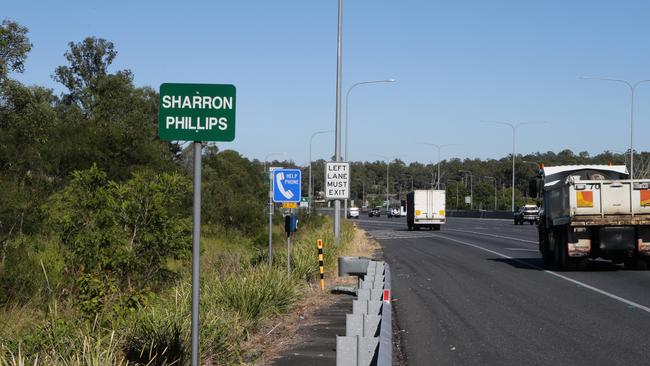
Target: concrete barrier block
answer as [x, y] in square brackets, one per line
[354, 324]
[373, 307]
[363, 294]
[376, 294]
[366, 350]
[371, 325]
[346, 351]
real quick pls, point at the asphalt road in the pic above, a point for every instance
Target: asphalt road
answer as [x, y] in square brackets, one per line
[476, 293]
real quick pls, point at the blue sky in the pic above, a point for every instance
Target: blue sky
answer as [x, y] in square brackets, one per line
[457, 63]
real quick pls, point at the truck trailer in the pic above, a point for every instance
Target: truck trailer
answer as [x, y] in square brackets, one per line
[425, 208]
[593, 211]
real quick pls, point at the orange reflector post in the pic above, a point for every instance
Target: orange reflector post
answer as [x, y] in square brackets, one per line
[585, 198]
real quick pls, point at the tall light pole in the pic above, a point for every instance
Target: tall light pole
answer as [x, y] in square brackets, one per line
[514, 127]
[439, 147]
[632, 90]
[271, 205]
[311, 139]
[337, 135]
[471, 188]
[387, 158]
[347, 120]
[495, 190]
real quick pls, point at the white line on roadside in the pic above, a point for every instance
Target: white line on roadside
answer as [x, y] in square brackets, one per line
[523, 249]
[592, 288]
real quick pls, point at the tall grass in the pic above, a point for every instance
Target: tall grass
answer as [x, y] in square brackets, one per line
[239, 292]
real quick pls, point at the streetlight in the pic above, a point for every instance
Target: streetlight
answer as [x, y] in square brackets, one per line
[632, 89]
[347, 123]
[455, 181]
[439, 147]
[387, 158]
[337, 124]
[311, 139]
[271, 205]
[471, 188]
[514, 129]
[495, 190]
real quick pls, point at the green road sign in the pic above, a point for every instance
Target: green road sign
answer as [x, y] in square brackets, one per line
[197, 112]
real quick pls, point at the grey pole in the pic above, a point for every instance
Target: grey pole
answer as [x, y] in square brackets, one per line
[270, 218]
[270, 206]
[289, 251]
[632, 89]
[347, 97]
[196, 252]
[387, 200]
[337, 138]
[514, 130]
[471, 188]
[310, 191]
[439, 147]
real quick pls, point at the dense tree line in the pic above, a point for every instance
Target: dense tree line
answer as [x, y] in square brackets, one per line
[84, 175]
[461, 177]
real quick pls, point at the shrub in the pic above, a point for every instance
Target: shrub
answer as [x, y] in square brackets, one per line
[126, 230]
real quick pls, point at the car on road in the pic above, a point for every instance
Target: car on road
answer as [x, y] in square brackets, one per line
[375, 212]
[526, 213]
[353, 213]
[392, 212]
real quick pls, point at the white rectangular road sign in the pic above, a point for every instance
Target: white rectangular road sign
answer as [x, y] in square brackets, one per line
[337, 181]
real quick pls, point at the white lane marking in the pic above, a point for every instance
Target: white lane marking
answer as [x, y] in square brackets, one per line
[522, 249]
[592, 288]
[494, 235]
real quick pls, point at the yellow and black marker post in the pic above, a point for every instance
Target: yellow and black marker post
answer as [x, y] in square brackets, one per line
[320, 263]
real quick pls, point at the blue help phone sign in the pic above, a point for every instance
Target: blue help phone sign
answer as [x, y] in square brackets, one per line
[287, 185]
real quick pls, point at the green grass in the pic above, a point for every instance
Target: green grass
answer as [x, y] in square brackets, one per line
[239, 292]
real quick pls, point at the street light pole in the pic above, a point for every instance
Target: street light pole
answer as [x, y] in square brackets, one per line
[471, 188]
[347, 123]
[270, 206]
[387, 158]
[514, 130]
[337, 137]
[632, 90]
[310, 190]
[439, 147]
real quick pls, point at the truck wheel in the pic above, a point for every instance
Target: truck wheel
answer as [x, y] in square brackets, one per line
[544, 247]
[531, 222]
[582, 263]
[560, 253]
[636, 263]
[436, 227]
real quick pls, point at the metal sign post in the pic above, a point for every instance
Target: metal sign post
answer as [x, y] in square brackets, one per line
[196, 112]
[196, 252]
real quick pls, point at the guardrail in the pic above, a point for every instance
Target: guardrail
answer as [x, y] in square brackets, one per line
[369, 335]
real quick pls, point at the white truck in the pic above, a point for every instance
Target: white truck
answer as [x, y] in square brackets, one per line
[593, 211]
[425, 208]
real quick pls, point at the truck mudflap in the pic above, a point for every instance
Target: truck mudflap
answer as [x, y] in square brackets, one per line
[579, 242]
[643, 241]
